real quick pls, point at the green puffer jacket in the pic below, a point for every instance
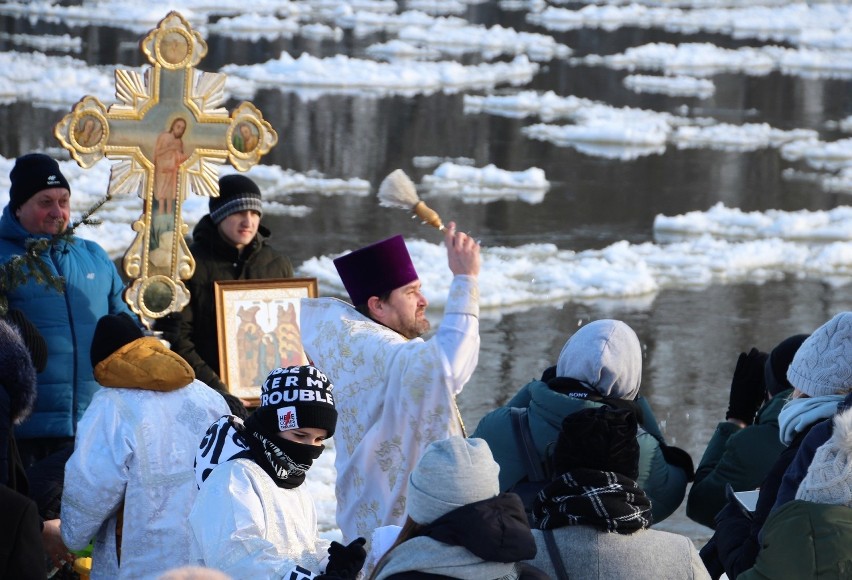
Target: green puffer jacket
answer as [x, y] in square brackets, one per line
[741, 457]
[804, 540]
[197, 340]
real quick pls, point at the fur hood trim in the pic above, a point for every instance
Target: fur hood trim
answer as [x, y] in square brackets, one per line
[146, 364]
[16, 374]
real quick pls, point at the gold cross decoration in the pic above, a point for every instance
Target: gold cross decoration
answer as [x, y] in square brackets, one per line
[169, 135]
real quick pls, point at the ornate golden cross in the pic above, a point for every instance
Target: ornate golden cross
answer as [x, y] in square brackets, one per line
[169, 135]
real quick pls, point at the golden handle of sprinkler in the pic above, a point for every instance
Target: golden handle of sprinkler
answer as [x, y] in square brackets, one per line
[427, 215]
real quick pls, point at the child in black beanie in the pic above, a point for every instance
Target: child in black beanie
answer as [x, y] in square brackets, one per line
[253, 517]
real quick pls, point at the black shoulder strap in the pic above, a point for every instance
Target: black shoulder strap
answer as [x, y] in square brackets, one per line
[555, 557]
[526, 446]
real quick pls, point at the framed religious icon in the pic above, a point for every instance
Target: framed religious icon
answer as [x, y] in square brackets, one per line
[258, 326]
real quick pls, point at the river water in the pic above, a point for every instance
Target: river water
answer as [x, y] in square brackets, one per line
[691, 337]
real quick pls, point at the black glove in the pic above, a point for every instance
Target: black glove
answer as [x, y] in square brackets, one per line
[345, 562]
[710, 557]
[748, 389]
[679, 458]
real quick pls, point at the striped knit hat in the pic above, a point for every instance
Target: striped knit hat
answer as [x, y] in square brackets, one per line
[236, 193]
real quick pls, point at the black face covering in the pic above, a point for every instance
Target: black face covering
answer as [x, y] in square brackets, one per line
[285, 461]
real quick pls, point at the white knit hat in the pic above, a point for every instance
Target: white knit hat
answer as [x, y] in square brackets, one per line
[823, 364]
[452, 472]
[829, 477]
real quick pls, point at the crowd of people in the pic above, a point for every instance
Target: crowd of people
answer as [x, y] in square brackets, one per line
[115, 440]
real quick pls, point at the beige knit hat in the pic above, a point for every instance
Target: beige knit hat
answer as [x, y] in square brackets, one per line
[829, 477]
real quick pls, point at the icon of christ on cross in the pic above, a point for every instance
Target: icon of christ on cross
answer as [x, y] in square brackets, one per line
[169, 135]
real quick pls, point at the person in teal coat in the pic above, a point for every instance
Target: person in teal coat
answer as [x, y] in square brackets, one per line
[744, 446]
[601, 364]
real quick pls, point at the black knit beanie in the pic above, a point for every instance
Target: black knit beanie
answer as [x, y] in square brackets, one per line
[33, 339]
[599, 438]
[112, 332]
[296, 397]
[32, 173]
[236, 193]
[775, 371]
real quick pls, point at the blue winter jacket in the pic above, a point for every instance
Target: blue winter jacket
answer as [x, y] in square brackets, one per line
[665, 484]
[67, 321]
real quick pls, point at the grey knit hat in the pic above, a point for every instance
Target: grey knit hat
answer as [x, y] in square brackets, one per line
[451, 473]
[829, 477]
[823, 364]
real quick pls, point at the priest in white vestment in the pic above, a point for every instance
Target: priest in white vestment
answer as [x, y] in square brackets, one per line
[395, 392]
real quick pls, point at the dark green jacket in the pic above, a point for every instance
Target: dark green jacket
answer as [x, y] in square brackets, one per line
[804, 540]
[665, 484]
[741, 457]
[215, 260]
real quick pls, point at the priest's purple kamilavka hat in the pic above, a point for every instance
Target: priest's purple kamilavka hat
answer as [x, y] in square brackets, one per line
[376, 269]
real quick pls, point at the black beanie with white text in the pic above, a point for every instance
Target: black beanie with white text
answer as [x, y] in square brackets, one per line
[294, 398]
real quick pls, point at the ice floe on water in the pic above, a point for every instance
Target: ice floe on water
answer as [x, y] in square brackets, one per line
[312, 76]
[819, 154]
[485, 184]
[732, 223]
[628, 133]
[430, 161]
[548, 106]
[676, 86]
[455, 40]
[399, 50]
[699, 59]
[256, 26]
[437, 7]
[746, 137]
[603, 138]
[703, 59]
[24, 77]
[795, 22]
[543, 273]
[45, 42]
[365, 23]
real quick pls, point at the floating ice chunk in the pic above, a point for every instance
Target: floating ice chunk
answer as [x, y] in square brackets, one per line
[24, 77]
[542, 273]
[45, 42]
[693, 59]
[811, 63]
[820, 154]
[400, 50]
[351, 75]
[794, 22]
[548, 106]
[255, 26]
[734, 223]
[489, 42]
[485, 184]
[364, 23]
[678, 86]
[747, 137]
